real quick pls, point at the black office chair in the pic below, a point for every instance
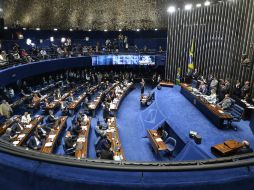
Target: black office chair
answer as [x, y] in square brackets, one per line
[237, 113]
[171, 144]
[69, 151]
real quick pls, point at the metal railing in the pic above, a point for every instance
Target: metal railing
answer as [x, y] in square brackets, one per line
[245, 160]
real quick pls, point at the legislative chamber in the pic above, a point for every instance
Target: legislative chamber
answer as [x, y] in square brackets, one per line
[127, 94]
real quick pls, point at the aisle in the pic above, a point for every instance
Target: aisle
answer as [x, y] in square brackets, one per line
[135, 147]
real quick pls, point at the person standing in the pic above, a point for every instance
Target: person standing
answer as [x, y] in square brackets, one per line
[142, 83]
[5, 109]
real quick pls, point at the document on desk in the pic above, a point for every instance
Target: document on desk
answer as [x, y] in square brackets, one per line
[15, 143]
[84, 128]
[117, 158]
[28, 126]
[21, 136]
[48, 144]
[158, 140]
[81, 139]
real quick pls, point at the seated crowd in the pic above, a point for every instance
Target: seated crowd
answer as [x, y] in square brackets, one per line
[19, 55]
[26, 100]
[220, 91]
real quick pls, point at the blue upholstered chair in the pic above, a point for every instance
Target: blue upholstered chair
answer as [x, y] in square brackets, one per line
[171, 144]
[236, 112]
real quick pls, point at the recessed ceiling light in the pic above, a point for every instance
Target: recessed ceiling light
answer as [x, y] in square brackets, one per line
[38, 29]
[55, 29]
[199, 5]
[207, 3]
[171, 9]
[188, 7]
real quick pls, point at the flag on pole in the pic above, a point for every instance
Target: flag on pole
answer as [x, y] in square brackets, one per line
[178, 76]
[191, 54]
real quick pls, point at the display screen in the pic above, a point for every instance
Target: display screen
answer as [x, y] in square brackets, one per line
[123, 60]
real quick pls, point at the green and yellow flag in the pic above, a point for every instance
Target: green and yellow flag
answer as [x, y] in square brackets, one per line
[191, 54]
[178, 76]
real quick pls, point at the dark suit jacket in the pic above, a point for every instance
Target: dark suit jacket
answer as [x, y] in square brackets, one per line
[16, 127]
[106, 154]
[32, 143]
[69, 142]
[51, 119]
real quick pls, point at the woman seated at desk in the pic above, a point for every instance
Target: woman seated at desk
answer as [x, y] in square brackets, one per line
[26, 118]
[202, 88]
[212, 98]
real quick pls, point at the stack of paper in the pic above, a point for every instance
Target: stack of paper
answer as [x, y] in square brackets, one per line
[51, 137]
[15, 143]
[84, 128]
[21, 136]
[48, 144]
[117, 158]
[28, 126]
[81, 139]
[158, 140]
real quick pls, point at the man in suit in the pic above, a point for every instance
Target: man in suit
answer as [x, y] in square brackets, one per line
[76, 129]
[214, 84]
[17, 126]
[41, 132]
[226, 103]
[99, 130]
[9, 135]
[69, 140]
[34, 142]
[202, 88]
[245, 89]
[5, 109]
[103, 149]
[51, 117]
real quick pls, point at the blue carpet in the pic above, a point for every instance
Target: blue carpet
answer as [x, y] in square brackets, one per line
[178, 112]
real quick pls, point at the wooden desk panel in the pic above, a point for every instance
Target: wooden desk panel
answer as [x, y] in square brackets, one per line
[115, 106]
[113, 135]
[227, 148]
[7, 124]
[216, 115]
[75, 103]
[56, 130]
[20, 101]
[167, 84]
[82, 147]
[157, 145]
[26, 132]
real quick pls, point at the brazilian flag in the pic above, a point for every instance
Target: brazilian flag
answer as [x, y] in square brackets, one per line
[191, 54]
[178, 76]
